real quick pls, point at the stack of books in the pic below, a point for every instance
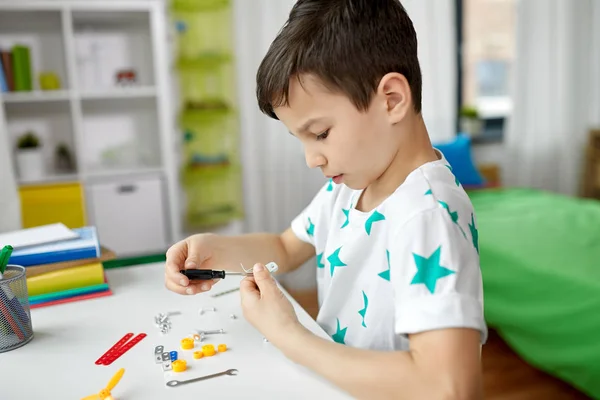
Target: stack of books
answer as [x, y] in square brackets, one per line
[62, 265]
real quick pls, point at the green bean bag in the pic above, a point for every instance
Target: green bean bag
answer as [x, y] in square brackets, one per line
[540, 261]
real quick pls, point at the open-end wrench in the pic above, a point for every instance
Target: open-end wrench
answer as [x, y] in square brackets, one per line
[174, 383]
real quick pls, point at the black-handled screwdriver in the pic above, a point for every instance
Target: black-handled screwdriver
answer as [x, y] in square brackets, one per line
[208, 274]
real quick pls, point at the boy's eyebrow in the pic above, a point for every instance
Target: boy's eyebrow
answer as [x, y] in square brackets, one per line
[306, 125]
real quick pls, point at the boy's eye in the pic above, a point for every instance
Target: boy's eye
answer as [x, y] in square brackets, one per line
[323, 135]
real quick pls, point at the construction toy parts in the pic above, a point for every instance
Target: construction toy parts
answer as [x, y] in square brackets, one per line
[199, 336]
[222, 348]
[203, 310]
[105, 394]
[163, 321]
[198, 355]
[179, 365]
[173, 355]
[119, 348]
[208, 274]
[208, 350]
[158, 352]
[174, 383]
[225, 292]
[187, 344]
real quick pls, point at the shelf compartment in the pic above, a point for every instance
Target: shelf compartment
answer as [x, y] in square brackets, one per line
[41, 32]
[120, 135]
[51, 122]
[210, 137]
[213, 195]
[203, 27]
[207, 82]
[108, 43]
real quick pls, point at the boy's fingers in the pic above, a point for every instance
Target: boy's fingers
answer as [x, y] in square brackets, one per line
[263, 279]
[249, 290]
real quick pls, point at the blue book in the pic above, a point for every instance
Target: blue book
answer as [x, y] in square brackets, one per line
[3, 84]
[84, 246]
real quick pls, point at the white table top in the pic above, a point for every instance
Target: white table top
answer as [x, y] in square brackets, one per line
[59, 362]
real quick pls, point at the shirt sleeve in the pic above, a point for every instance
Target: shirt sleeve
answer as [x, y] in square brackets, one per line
[311, 221]
[434, 270]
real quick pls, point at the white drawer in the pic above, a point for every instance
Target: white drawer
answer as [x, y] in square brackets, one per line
[129, 216]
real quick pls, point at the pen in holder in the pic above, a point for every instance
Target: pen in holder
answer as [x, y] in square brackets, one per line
[15, 316]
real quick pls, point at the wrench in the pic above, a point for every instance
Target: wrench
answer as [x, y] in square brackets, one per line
[174, 383]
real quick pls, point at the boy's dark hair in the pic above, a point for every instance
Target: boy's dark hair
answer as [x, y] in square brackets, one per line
[348, 44]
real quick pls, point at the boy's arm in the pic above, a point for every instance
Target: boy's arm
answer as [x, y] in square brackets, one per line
[441, 364]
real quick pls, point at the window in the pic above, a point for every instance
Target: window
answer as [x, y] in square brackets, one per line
[486, 37]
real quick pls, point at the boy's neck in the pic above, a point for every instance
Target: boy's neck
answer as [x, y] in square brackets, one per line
[414, 151]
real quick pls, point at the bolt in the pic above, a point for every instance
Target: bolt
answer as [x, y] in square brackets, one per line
[212, 332]
[233, 316]
[203, 310]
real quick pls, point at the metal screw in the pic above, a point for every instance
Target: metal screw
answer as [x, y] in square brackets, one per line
[265, 340]
[233, 316]
[203, 310]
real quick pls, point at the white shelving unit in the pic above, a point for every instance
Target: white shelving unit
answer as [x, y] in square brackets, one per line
[122, 137]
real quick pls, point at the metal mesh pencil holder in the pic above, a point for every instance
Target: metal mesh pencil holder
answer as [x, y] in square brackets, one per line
[15, 316]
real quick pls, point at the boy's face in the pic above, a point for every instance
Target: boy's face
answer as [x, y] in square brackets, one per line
[348, 145]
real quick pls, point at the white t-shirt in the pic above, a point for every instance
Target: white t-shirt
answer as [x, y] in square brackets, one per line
[408, 266]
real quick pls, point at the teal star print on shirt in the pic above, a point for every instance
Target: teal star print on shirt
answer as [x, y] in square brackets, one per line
[474, 233]
[363, 312]
[334, 260]
[330, 186]
[319, 261]
[340, 334]
[376, 216]
[429, 270]
[347, 214]
[386, 274]
[453, 216]
[455, 178]
[311, 228]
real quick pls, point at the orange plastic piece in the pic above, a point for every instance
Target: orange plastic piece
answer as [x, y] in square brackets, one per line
[208, 350]
[198, 354]
[179, 365]
[187, 344]
[222, 348]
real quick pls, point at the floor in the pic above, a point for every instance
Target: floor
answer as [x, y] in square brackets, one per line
[506, 376]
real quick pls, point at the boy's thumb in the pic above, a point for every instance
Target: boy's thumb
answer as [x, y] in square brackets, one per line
[262, 277]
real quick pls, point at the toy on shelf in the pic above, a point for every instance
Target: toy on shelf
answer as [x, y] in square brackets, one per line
[105, 394]
[126, 77]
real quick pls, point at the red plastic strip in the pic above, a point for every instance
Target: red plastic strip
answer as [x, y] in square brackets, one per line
[114, 348]
[123, 349]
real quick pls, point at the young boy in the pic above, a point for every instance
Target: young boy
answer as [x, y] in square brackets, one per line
[393, 231]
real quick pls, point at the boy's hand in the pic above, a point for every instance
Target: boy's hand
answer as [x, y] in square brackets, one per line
[266, 307]
[195, 252]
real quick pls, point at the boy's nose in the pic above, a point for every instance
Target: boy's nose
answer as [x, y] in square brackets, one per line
[314, 160]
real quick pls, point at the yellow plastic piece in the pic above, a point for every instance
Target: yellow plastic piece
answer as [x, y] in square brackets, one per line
[52, 203]
[187, 344]
[179, 365]
[222, 348]
[209, 350]
[198, 354]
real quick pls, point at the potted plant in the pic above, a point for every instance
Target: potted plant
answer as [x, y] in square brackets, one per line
[470, 123]
[30, 159]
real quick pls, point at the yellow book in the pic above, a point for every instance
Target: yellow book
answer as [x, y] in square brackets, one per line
[65, 279]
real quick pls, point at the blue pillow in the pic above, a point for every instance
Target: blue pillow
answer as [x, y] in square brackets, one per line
[458, 154]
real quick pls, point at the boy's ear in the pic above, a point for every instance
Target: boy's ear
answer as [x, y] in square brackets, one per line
[394, 88]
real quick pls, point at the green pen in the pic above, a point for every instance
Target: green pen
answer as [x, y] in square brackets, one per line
[5, 254]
